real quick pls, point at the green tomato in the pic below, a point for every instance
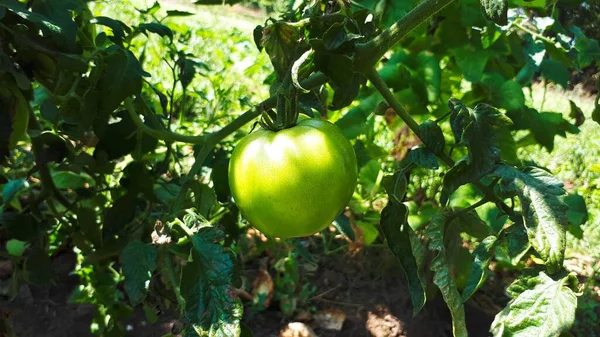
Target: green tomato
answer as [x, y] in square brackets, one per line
[293, 182]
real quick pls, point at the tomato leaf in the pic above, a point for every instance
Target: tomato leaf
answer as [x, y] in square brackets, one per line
[577, 214]
[543, 209]
[12, 190]
[157, 28]
[280, 40]
[431, 134]
[211, 306]
[495, 10]
[424, 158]
[342, 224]
[431, 73]
[471, 223]
[442, 276]
[407, 248]
[120, 77]
[556, 72]
[482, 257]
[139, 262]
[541, 307]
[473, 128]
[513, 244]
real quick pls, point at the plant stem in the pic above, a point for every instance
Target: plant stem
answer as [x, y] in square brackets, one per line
[369, 53]
[47, 182]
[534, 34]
[159, 134]
[383, 89]
[170, 269]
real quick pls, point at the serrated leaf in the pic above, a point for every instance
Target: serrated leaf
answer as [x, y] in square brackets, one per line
[495, 10]
[120, 77]
[211, 306]
[442, 276]
[545, 308]
[474, 128]
[482, 257]
[139, 262]
[424, 158]
[543, 210]
[280, 41]
[401, 240]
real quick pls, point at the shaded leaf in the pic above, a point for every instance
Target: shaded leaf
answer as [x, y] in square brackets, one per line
[342, 224]
[39, 268]
[157, 28]
[513, 244]
[139, 262]
[443, 278]
[424, 158]
[482, 257]
[409, 252]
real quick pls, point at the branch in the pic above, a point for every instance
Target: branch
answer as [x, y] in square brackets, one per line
[385, 91]
[369, 53]
[159, 134]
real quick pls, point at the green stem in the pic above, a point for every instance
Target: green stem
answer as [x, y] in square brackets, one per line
[369, 53]
[47, 182]
[173, 279]
[383, 89]
[534, 34]
[159, 134]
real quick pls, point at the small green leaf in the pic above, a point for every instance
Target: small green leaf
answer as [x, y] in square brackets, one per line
[118, 28]
[442, 276]
[544, 307]
[15, 247]
[495, 10]
[471, 223]
[139, 262]
[12, 189]
[424, 158]
[157, 28]
[577, 214]
[403, 242]
[513, 244]
[178, 13]
[543, 210]
[482, 255]
[205, 198]
[343, 225]
[72, 180]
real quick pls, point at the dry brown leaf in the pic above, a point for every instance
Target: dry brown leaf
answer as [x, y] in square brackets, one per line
[263, 288]
[330, 319]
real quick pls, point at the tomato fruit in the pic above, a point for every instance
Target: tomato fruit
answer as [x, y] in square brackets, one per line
[293, 182]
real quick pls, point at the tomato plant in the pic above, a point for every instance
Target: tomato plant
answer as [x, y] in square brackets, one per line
[126, 159]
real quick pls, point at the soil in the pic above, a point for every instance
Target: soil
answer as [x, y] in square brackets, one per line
[367, 287]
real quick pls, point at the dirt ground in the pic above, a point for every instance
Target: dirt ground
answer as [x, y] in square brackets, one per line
[368, 289]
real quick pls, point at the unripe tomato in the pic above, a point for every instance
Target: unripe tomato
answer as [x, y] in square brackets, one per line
[295, 181]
